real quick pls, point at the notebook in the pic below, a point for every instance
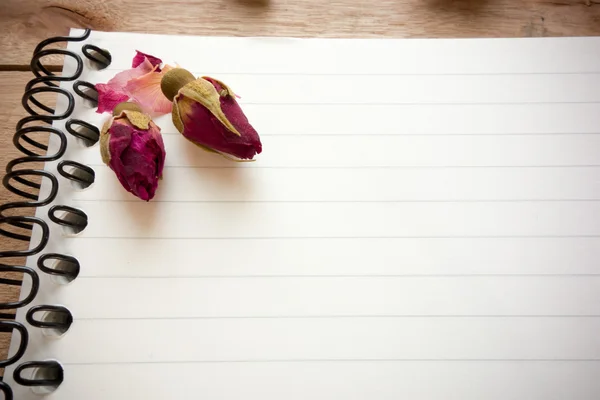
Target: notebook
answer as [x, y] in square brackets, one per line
[423, 223]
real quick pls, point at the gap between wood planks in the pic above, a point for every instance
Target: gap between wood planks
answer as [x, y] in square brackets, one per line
[26, 68]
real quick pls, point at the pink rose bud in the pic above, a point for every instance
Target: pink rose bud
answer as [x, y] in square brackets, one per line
[206, 112]
[132, 146]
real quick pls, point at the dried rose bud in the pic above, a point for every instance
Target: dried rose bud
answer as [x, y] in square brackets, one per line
[206, 112]
[132, 146]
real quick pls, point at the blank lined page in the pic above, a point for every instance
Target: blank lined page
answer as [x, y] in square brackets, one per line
[423, 224]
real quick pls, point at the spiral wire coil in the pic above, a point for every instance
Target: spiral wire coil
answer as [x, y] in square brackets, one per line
[23, 171]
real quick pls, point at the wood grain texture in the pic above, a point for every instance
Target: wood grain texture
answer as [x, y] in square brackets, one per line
[11, 111]
[11, 89]
[24, 23]
[12, 84]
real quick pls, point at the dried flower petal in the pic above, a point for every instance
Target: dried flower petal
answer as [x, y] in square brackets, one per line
[139, 59]
[108, 97]
[119, 81]
[132, 146]
[140, 83]
[145, 90]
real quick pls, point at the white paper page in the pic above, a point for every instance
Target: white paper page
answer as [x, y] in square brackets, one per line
[423, 223]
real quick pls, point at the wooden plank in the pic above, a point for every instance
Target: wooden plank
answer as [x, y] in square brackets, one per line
[11, 86]
[25, 23]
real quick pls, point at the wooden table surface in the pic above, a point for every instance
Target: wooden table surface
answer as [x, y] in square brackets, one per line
[24, 23]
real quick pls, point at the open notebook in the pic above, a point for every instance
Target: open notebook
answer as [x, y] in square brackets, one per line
[423, 223]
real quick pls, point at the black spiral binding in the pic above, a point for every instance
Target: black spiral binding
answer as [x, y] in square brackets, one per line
[21, 176]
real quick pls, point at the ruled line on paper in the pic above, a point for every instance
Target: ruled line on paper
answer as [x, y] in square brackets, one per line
[329, 276]
[375, 104]
[204, 73]
[412, 104]
[312, 134]
[338, 201]
[74, 237]
[484, 237]
[339, 360]
[374, 316]
[250, 165]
